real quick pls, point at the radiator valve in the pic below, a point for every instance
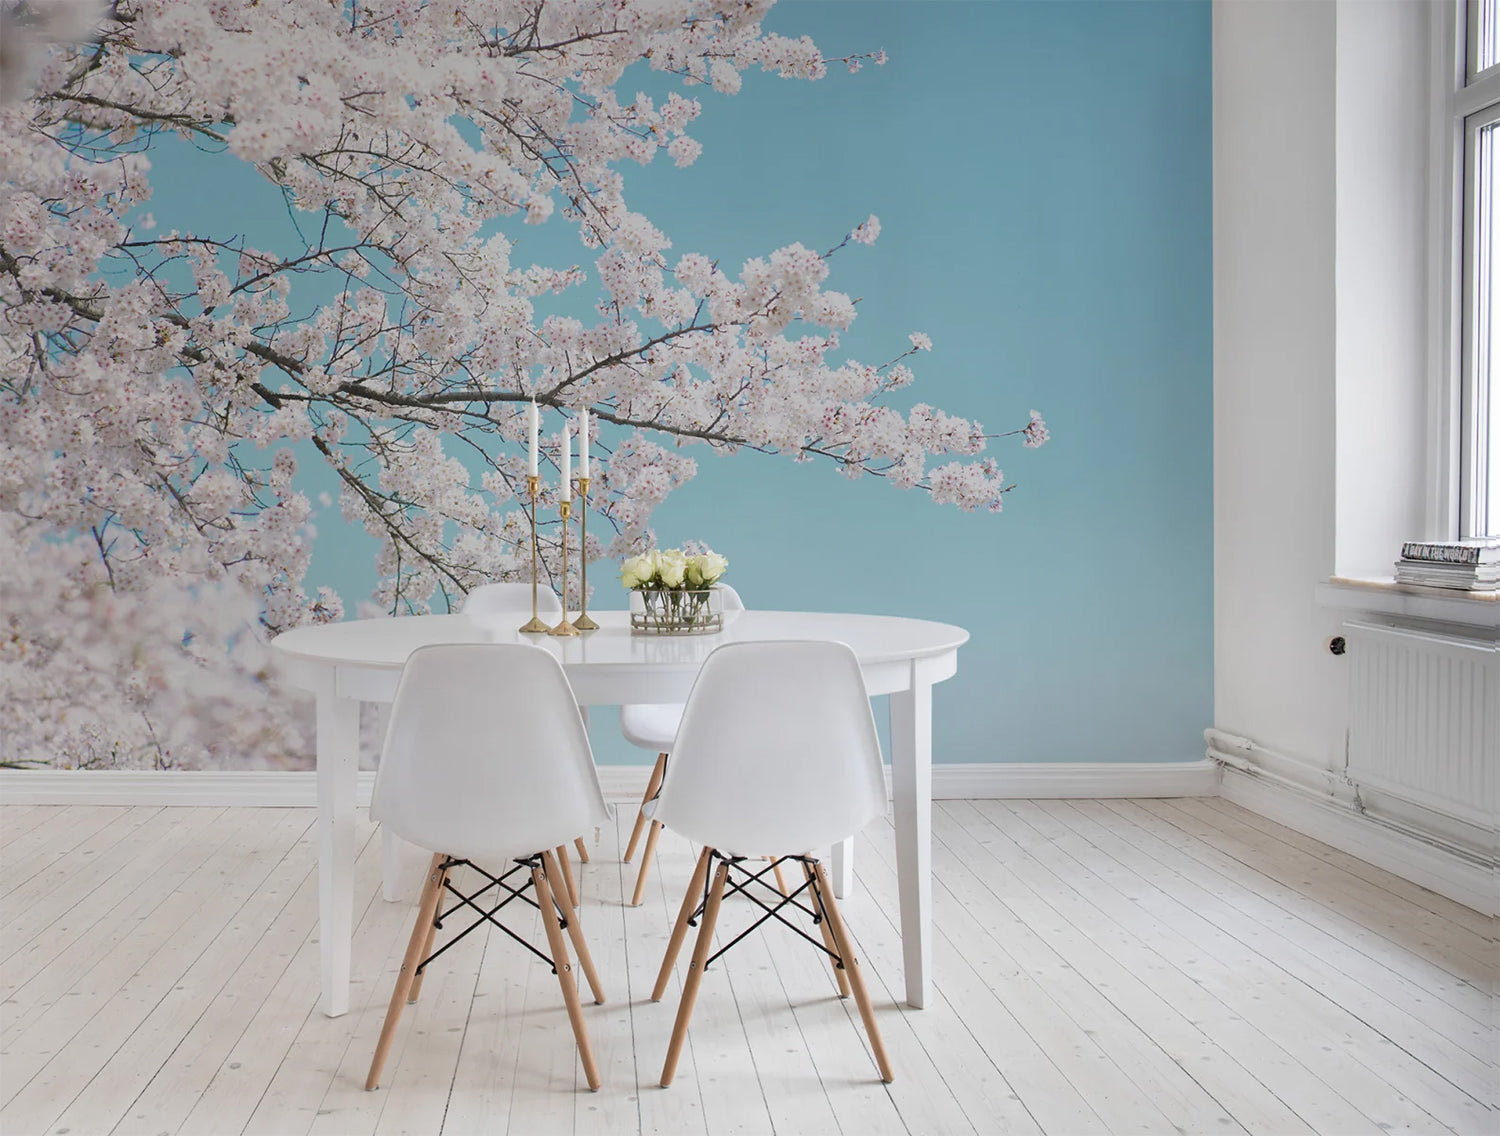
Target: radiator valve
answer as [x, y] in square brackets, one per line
[1336, 645]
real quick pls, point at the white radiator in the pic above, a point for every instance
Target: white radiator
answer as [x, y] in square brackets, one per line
[1425, 718]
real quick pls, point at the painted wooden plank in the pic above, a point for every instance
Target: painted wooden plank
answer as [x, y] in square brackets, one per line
[1425, 1027]
[1482, 925]
[968, 1070]
[1050, 905]
[1450, 1006]
[416, 1089]
[976, 988]
[835, 1041]
[922, 1092]
[69, 1050]
[484, 1075]
[1412, 1029]
[283, 1061]
[1376, 1078]
[67, 946]
[1464, 953]
[204, 1049]
[327, 1055]
[68, 880]
[603, 880]
[60, 1000]
[647, 928]
[733, 1098]
[795, 1096]
[1136, 902]
[17, 820]
[152, 1044]
[1171, 963]
[49, 846]
[1173, 934]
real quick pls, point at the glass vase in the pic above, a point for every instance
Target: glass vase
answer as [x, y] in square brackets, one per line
[676, 611]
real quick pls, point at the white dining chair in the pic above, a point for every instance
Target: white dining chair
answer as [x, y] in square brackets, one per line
[498, 600]
[652, 726]
[777, 752]
[486, 765]
[499, 604]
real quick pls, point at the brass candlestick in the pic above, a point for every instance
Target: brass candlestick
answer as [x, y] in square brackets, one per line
[583, 622]
[565, 509]
[535, 625]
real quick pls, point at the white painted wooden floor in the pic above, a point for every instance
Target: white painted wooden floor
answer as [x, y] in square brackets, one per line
[1110, 966]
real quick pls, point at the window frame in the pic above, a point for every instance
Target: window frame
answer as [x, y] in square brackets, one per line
[1465, 98]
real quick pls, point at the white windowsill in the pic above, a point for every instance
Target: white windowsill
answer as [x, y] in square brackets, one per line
[1384, 595]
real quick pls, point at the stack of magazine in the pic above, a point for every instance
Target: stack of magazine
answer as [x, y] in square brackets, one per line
[1468, 565]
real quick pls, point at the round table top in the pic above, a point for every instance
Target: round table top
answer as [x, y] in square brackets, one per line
[386, 643]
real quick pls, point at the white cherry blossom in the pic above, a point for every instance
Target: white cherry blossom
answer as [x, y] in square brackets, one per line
[157, 385]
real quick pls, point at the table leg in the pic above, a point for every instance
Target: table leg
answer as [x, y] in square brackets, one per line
[841, 868]
[911, 786]
[390, 866]
[338, 767]
[400, 878]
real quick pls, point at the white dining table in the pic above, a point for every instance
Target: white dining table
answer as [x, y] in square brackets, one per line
[345, 664]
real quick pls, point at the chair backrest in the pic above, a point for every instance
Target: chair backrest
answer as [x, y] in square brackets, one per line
[486, 756]
[777, 752]
[506, 599]
[731, 598]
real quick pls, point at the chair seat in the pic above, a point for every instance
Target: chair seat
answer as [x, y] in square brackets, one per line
[651, 725]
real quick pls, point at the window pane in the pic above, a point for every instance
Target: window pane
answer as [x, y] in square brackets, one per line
[1486, 398]
[1488, 392]
[1484, 36]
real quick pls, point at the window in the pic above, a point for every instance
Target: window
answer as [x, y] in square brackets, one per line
[1474, 117]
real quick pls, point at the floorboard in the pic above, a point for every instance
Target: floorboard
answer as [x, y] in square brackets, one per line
[1101, 966]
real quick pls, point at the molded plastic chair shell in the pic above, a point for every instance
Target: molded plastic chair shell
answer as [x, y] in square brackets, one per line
[486, 757]
[653, 725]
[490, 600]
[777, 752]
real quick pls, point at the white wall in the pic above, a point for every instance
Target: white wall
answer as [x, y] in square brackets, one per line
[1320, 341]
[1381, 131]
[1321, 308]
[1274, 368]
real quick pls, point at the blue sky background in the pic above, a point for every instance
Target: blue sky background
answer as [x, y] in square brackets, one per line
[1042, 173]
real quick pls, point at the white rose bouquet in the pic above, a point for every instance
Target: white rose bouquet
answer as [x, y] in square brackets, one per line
[672, 591]
[672, 568]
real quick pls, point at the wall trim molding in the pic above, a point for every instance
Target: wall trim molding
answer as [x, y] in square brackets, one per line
[1326, 806]
[274, 788]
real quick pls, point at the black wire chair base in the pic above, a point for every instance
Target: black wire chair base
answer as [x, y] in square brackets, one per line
[525, 864]
[747, 885]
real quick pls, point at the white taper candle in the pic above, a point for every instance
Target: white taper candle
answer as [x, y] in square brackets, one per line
[583, 443]
[567, 461]
[534, 424]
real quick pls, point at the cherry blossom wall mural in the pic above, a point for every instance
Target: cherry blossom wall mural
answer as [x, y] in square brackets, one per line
[159, 387]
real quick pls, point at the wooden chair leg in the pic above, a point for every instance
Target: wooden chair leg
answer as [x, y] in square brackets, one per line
[679, 929]
[851, 967]
[583, 849]
[416, 982]
[419, 934]
[567, 874]
[559, 948]
[657, 772]
[780, 879]
[695, 973]
[646, 858]
[575, 932]
[828, 940]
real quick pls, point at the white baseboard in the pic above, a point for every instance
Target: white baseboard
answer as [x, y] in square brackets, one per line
[1315, 803]
[283, 789]
[1042, 780]
[216, 788]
